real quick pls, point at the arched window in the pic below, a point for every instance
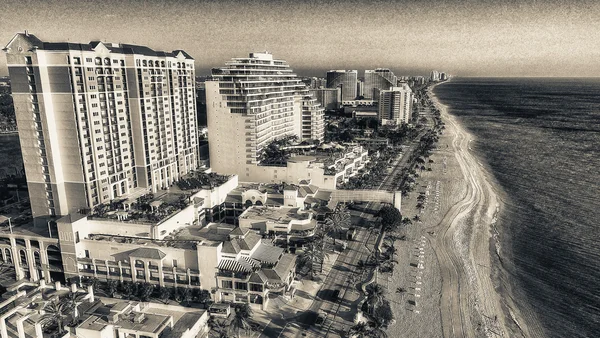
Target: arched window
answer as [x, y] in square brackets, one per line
[23, 256]
[107, 61]
[248, 204]
[258, 203]
[144, 63]
[8, 255]
[37, 260]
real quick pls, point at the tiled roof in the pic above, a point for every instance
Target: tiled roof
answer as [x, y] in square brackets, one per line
[149, 253]
[272, 275]
[323, 195]
[230, 247]
[267, 253]
[285, 265]
[258, 277]
[238, 232]
[249, 241]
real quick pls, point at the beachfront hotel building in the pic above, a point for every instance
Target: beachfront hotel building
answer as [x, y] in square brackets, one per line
[99, 121]
[395, 105]
[376, 80]
[251, 102]
[347, 80]
[179, 242]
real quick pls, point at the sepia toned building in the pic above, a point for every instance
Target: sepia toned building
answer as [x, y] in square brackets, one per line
[376, 80]
[347, 80]
[100, 120]
[395, 105]
[250, 103]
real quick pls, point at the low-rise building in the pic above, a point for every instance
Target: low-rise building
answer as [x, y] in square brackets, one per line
[303, 195]
[25, 304]
[285, 221]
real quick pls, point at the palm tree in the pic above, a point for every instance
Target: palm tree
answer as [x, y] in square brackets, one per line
[313, 254]
[186, 295]
[360, 330]
[338, 221]
[165, 294]
[377, 329]
[240, 321]
[56, 312]
[111, 287]
[74, 299]
[128, 289]
[375, 296]
[218, 329]
[145, 291]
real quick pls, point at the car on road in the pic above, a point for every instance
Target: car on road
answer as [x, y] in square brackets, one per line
[320, 318]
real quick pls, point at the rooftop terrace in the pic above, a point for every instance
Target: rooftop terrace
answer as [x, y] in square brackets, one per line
[280, 215]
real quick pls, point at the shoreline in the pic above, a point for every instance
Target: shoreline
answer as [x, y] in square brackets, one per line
[451, 262]
[482, 257]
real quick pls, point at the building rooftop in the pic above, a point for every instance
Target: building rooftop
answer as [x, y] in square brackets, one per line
[186, 321]
[149, 253]
[280, 215]
[121, 48]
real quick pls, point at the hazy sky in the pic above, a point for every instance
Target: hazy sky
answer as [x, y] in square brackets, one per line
[462, 37]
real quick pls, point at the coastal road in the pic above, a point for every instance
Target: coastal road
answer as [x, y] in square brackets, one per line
[340, 312]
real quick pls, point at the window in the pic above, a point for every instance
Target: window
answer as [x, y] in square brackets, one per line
[77, 60]
[241, 286]
[227, 284]
[87, 254]
[76, 236]
[174, 261]
[88, 60]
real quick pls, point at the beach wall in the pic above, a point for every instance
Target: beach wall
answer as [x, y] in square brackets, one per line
[383, 196]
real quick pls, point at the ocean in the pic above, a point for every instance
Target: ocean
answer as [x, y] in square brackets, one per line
[540, 141]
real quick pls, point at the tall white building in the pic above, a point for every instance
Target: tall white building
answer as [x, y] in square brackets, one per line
[395, 105]
[101, 120]
[251, 102]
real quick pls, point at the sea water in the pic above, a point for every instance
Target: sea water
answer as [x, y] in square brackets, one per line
[540, 140]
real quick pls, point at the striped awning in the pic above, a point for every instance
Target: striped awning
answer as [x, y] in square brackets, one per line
[253, 262]
[245, 264]
[233, 265]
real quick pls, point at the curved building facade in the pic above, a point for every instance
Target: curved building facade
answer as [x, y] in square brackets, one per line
[347, 80]
[376, 80]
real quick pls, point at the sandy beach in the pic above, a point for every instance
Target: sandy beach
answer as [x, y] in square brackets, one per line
[446, 263]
